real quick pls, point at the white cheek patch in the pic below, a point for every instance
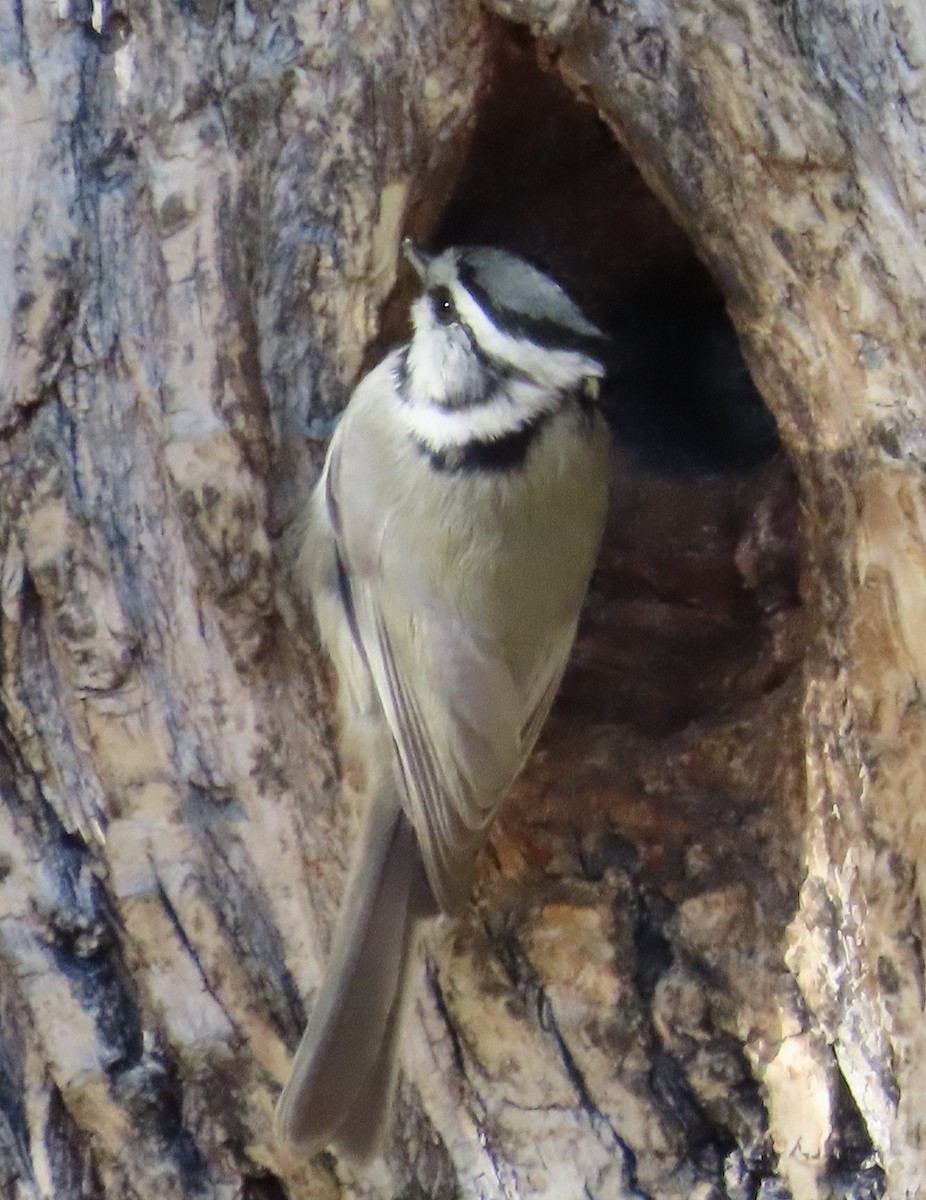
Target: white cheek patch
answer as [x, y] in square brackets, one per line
[441, 365]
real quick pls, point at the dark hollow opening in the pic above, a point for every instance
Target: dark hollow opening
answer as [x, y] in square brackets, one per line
[545, 178]
[672, 768]
[694, 605]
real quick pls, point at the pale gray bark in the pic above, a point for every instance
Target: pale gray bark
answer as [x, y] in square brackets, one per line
[789, 140]
[694, 965]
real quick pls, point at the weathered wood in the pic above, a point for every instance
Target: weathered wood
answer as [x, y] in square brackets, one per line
[787, 141]
[694, 966]
[201, 217]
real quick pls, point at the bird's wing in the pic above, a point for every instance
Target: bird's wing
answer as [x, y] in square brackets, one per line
[461, 727]
[458, 724]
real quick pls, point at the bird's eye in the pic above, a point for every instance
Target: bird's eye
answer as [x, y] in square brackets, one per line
[445, 311]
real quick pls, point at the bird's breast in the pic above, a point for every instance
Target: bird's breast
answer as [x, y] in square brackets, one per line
[510, 550]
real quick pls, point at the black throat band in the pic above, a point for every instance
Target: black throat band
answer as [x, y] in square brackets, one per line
[503, 453]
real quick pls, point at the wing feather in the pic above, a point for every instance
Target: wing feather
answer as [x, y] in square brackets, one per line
[459, 744]
[461, 725]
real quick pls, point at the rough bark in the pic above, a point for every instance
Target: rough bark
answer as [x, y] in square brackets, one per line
[694, 966]
[789, 143]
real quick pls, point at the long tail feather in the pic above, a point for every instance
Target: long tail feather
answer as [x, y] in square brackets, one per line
[343, 1076]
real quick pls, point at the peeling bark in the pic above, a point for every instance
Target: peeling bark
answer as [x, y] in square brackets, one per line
[694, 964]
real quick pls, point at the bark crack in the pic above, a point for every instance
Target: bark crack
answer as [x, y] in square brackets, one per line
[601, 1124]
[526, 982]
[242, 914]
[25, 54]
[440, 1002]
[174, 917]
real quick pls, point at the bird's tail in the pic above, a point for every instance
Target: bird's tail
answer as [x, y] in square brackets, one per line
[343, 1077]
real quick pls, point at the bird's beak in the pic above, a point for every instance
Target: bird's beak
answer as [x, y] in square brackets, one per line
[418, 259]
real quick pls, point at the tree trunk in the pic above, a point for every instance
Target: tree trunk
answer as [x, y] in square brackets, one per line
[694, 966]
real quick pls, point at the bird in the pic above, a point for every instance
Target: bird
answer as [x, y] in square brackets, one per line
[446, 550]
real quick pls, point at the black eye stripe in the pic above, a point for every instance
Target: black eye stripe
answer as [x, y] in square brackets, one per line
[541, 330]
